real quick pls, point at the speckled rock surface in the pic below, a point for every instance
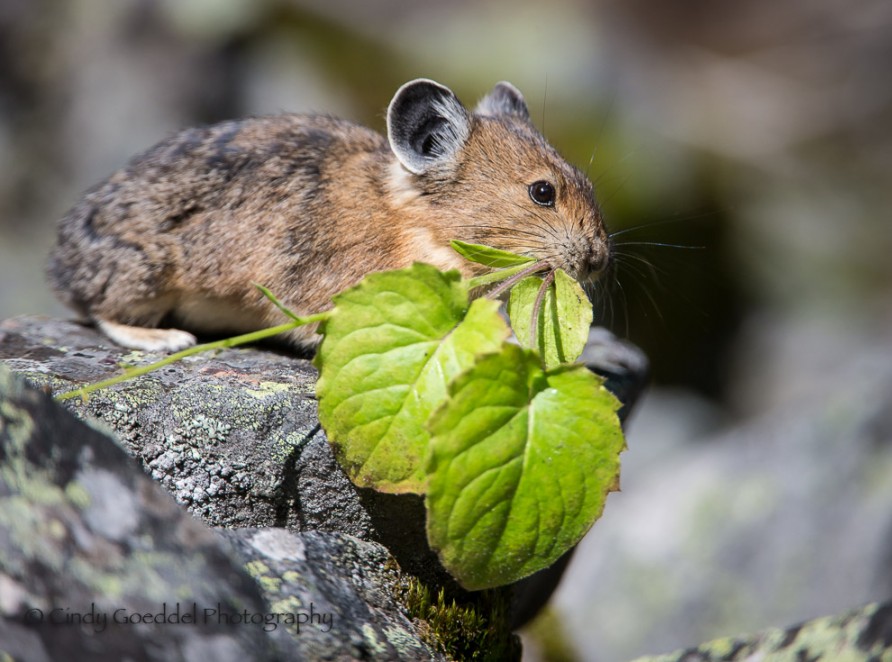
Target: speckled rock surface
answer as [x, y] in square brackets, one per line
[233, 436]
[89, 545]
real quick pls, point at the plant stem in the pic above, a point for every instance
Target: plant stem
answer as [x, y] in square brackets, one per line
[235, 341]
[537, 307]
[275, 301]
[518, 276]
[502, 274]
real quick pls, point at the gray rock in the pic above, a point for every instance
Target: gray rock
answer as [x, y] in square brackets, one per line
[233, 436]
[310, 575]
[776, 519]
[89, 545]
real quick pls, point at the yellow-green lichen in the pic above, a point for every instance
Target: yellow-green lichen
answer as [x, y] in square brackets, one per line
[15, 422]
[27, 530]
[56, 529]
[77, 495]
[257, 569]
[106, 580]
[267, 389]
[371, 639]
[269, 584]
[291, 576]
[290, 604]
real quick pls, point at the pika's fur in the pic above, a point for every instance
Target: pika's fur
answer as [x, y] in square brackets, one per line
[307, 205]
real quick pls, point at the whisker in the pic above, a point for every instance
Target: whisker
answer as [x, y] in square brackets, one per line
[667, 221]
[608, 109]
[659, 244]
[500, 227]
[610, 196]
[643, 275]
[549, 228]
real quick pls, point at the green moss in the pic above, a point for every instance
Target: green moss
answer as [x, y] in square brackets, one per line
[477, 630]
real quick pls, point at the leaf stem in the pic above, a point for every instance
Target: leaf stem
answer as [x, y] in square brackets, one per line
[518, 276]
[235, 341]
[537, 307]
[275, 301]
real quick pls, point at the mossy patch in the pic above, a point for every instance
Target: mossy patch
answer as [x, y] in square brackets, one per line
[478, 630]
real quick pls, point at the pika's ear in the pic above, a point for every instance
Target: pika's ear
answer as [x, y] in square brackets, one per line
[505, 99]
[426, 125]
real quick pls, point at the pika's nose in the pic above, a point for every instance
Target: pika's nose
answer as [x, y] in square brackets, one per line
[598, 259]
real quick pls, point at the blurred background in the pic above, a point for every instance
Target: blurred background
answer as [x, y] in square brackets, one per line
[741, 151]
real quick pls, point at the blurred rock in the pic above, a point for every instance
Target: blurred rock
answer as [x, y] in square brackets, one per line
[88, 542]
[773, 521]
[344, 590]
[862, 634]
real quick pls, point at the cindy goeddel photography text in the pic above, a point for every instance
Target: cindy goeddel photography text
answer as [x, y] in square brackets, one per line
[187, 613]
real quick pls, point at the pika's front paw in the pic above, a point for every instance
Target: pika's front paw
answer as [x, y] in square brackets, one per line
[148, 340]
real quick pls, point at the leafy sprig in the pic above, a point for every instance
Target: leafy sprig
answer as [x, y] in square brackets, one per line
[422, 390]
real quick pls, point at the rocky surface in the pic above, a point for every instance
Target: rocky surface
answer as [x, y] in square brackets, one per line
[98, 562]
[342, 590]
[308, 567]
[88, 543]
[233, 436]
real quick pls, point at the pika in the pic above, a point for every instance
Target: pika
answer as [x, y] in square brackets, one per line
[307, 205]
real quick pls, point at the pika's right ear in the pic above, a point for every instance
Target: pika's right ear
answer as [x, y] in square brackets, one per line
[426, 125]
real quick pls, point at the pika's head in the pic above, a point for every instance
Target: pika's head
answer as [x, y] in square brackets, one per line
[489, 177]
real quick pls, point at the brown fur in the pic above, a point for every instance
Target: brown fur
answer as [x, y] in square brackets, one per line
[305, 205]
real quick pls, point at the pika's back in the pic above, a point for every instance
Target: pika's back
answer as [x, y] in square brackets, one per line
[209, 210]
[253, 162]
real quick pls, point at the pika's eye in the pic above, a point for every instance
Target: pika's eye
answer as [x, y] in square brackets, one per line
[542, 193]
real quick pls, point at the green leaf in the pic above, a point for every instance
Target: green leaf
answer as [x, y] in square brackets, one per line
[520, 465]
[489, 256]
[563, 321]
[391, 345]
